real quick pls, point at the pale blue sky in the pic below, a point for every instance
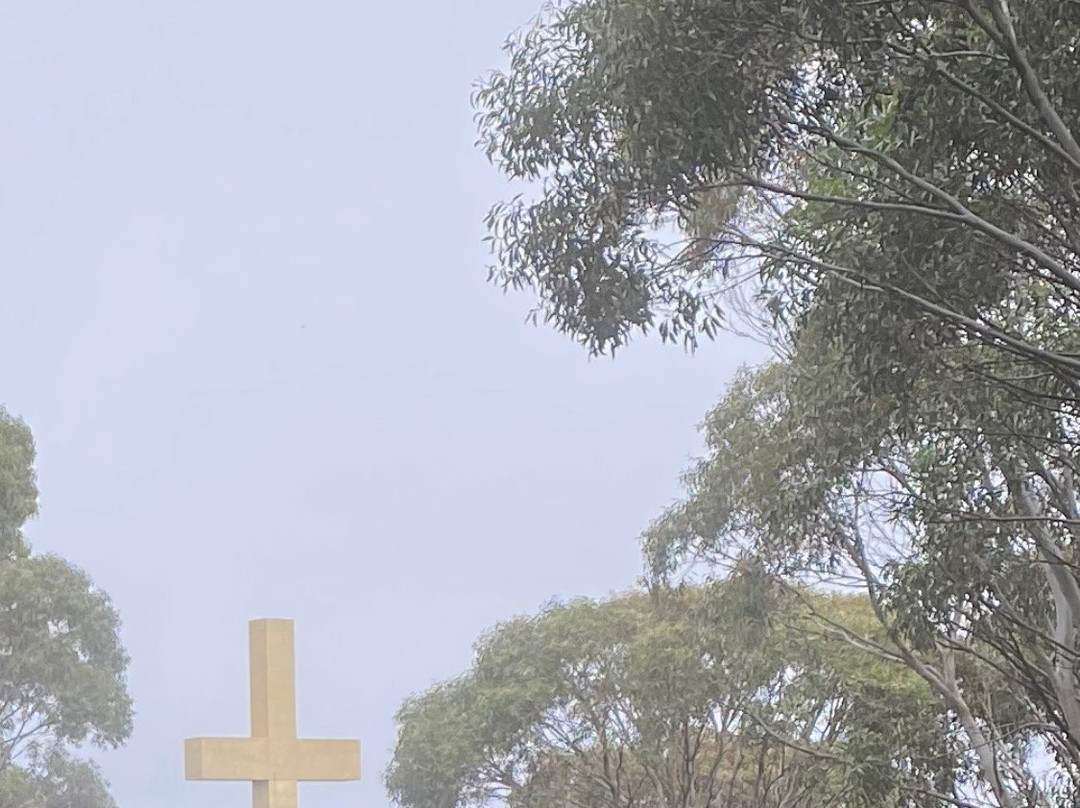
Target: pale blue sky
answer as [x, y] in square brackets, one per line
[244, 309]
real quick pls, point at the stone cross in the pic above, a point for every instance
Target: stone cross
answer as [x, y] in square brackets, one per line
[273, 758]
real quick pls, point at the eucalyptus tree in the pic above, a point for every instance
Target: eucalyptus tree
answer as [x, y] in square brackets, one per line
[930, 512]
[735, 695]
[62, 666]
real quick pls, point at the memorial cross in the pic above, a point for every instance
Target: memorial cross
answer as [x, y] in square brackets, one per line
[273, 758]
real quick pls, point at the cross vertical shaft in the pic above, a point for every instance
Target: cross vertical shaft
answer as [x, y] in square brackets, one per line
[274, 794]
[273, 679]
[273, 701]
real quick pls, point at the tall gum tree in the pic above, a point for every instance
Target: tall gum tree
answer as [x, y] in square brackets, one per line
[923, 517]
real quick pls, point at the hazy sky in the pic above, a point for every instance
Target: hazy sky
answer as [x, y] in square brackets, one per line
[244, 309]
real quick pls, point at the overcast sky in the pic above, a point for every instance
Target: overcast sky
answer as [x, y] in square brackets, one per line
[244, 309]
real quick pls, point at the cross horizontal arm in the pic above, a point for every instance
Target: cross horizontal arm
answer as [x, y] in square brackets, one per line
[267, 759]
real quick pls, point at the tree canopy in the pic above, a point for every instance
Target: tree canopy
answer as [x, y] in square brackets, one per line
[734, 694]
[62, 677]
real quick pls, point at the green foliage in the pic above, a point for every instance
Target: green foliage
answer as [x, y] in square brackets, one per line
[60, 781]
[62, 681]
[18, 490]
[906, 151]
[736, 692]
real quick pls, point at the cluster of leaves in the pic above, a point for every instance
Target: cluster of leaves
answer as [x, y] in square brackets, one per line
[62, 667]
[917, 150]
